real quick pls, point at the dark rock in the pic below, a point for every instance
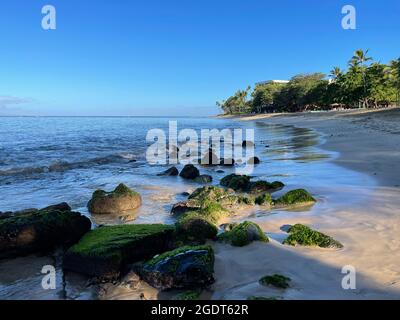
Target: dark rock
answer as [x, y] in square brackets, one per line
[189, 172]
[195, 229]
[182, 268]
[247, 143]
[220, 171]
[236, 182]
[227, 162]
[106, 251]
[253, 160]
[185, 206]
[41, 230]
[243, 234]
[170, 172]
[210, 159]
[204, 178]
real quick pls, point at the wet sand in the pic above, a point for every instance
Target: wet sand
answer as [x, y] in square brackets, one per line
[368, 142]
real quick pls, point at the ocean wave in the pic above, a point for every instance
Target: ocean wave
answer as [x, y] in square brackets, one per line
[61, 165]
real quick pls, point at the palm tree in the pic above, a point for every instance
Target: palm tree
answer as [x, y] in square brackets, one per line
[359, 59]
[336, 72]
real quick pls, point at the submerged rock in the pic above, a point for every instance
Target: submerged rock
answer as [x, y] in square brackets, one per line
[295, 197]
[105, 251]
[120, 200]
[236, 182]
[275, 280]
[33, 231]
[302, 235]
[243, 234]
[195, 229]
[264, 186]
[189, 172]
[204, 178]
[183, 268]
[170, 172]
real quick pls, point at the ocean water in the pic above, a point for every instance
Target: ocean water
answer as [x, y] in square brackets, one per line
[44, 161]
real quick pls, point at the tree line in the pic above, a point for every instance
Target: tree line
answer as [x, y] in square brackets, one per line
[365, 84]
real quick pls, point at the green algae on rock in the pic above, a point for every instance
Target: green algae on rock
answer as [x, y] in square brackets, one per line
[236, 182]
[276, 280]
[264, 199]
[105, 251]
[188, 295]
[187, 267]
[194, 228]
[114, 202]
[302, 235]
[243, 234]
[295, 197]
[31, 231]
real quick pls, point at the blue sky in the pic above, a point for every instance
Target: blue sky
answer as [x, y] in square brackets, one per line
[174, 57]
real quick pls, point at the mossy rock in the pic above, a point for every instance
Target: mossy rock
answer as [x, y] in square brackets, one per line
[190, 172]
[262, 186]
[188, 295]
[275, 280]
[236, 182]
[105, 251]
[302, 235]
[204, 178]
[187, 267]
[182, 207]
[295, 197]
[264, 200]
[262, 298]
[193, 228]
[243, 234]
[120, 200]
[210, 193]
[39, 231]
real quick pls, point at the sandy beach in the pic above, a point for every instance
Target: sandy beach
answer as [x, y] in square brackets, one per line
[367, 142]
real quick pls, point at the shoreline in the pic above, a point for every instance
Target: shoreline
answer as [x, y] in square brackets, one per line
[369, 228]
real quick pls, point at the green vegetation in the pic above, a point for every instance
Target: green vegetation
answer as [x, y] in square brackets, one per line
[111, 242]
[295, 197]
[178, 251]
[365, 84]
[236, 182]
[120, 190]
[262, 298]
[194, 228]
[264, 199]
[305, 236]
[244, 233]
[276, 280]
[188, 295]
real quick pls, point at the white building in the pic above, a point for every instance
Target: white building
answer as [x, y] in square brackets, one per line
[273, 81]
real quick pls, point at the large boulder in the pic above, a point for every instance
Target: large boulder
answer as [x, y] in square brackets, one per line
[105, 251]
[302, 235]
[31, 231]
[189, 171]
[120, 200]
[183, 268]
[243, 234]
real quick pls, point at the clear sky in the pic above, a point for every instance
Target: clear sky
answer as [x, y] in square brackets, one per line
[174, 57]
